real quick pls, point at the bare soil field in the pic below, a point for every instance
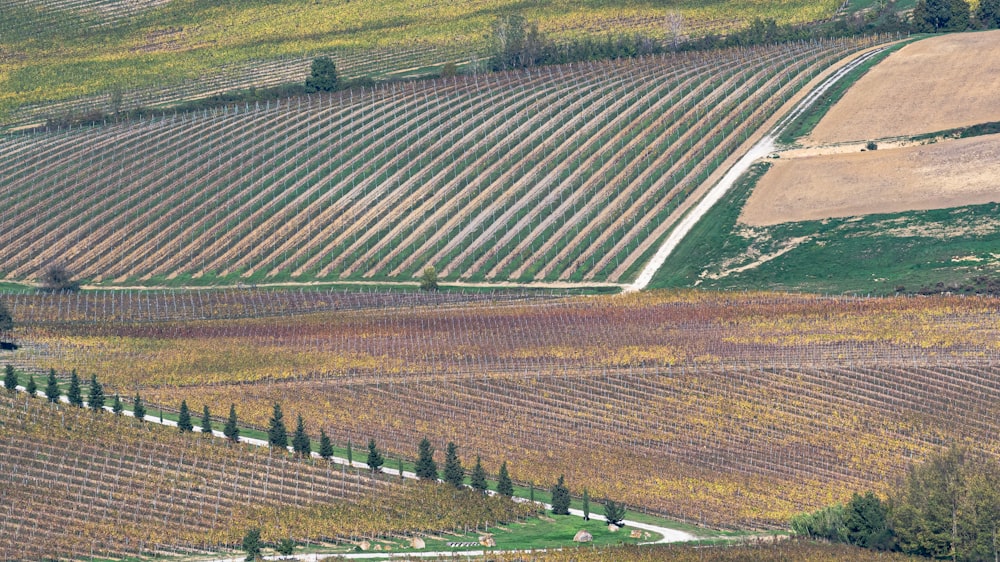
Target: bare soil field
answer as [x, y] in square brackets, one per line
[932, 85]
[947, 174]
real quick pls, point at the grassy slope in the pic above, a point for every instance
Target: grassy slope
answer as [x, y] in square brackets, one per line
[59, 55]
[874, 254]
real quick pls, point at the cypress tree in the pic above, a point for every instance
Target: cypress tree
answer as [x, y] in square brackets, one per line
[531, 491]
[300, 441]
[52, 387]
[232, 431]
[138, 409]
[399, 467]
[116, 406]
[350, 455]
[9, 378]
[453, 473]
[277, 435]
[184, 418]
[426, 467]
[96, 399]
[478, 479]
[560, 498]
[32, 387]
[206, 421]
[504, 486]
[325, 446]
[74, 390]
[586, 505]
[375, 458]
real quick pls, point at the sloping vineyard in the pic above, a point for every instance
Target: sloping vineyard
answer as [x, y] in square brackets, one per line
[561, 173]
[723, 409]
[81, 485]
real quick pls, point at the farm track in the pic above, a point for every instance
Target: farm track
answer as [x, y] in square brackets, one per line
[572, 178]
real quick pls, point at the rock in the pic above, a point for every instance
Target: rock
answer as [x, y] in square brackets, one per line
[365, 545]
[613, 528]
[583, 536]
[417, 542]
[635, 534]
[377, 547]
[487, 541]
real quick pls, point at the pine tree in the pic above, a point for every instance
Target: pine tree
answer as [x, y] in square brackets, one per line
[453, 473]
[138, 409]
[74, 390]
[116, 406]
[560, 498]
[96, 399]
[586, 505]
[277, 435]
[300, 441]
[52, 387]
[10, 378]
[232, 431]
[504, 486]
[614, 512]
[426, 467]
[322, 76]
[375, 458]
[478, 479]
[31, 387]
[325, 446]
[184, 418]
[251, 544]
[206, 421]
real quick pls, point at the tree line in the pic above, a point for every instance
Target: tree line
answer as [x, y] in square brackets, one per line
[945, 508]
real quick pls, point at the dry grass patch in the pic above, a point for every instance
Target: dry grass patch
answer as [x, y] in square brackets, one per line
[936, 176]
[940, 83]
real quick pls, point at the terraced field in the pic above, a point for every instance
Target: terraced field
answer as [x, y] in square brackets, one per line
[566, 173]
[728, 410]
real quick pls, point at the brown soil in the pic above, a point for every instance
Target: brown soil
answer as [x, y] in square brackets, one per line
[932, 85]
[947, 174]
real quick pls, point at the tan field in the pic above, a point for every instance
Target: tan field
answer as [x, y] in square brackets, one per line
[948, 174]
[932, 85]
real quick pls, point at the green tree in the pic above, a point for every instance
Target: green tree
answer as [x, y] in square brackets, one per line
[988, 13]
[322, 76]
[138, 408]
[117, 406]
[285, 547]
[453, 473]
[9, 378]
[867, 524]
[586, 505]
[58, 278]
[429, 279]
[560, 498]
[426, 468]
[350, 454]
[614, 512]
[375, 458]
[935, 16]
[73, 394]
[478, 478]
[32, 386]
[96, 398]
[504, 486]
[184, 424]
[52, 387]
[251, 544]
[826, 523]
[301, 443]
[325, 446]
[206, 421]
[232, 430]
[277, 435]
[399, 467]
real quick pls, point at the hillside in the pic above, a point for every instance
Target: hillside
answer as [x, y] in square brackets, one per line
[893, 190]
[729, 410]
[570, 173]
[58, 56]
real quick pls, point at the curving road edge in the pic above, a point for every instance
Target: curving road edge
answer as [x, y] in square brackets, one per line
[762, 148]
